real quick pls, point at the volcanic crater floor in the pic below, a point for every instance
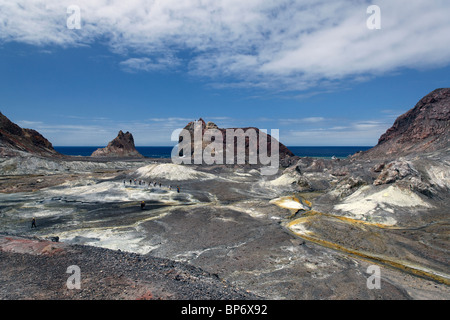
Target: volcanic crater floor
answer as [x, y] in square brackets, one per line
[219, 237]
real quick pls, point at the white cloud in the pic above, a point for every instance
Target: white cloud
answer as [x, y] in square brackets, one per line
[99, 131]
[356, 133]
[310, 120]
[29, 124]
[147, 64]
[73, 134]
[312, 131]
[281, 45]
[171, 120]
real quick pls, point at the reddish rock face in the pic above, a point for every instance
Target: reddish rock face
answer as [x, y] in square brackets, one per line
[425, 128]
[14, 138]
[121, 146]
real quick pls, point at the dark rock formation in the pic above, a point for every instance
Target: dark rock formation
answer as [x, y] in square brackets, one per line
[284, 152]
[121, 147]
[425, 128]
[13, 138]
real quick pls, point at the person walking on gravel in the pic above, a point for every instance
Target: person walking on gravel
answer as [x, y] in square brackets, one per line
[33, 223]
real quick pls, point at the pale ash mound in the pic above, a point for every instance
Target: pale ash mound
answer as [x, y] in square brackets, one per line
[379, 206]
[171, 172]
[121, 147]
[423, 129]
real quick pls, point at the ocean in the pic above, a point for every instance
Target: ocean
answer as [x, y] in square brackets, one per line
[165, 152]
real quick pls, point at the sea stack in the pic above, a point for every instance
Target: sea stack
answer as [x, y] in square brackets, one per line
[284, 152]
[121, 147]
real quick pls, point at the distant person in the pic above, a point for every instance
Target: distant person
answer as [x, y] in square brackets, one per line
[178, 189]
[33, 223]
[142, 205]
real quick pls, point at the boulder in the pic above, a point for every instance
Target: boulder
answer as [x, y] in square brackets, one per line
[394, 171]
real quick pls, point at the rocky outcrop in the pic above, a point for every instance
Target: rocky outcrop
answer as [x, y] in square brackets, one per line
[405, 174]
[425, 128]
[284, 152]
[121, 147]
[14, 139]
[394, 171]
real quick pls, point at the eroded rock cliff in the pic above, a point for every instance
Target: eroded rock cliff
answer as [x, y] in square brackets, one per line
[424, 128]
[14, 139]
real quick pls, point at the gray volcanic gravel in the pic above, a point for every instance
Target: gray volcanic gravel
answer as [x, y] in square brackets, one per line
[105, 275]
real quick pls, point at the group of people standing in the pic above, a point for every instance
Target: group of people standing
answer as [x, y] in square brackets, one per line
[149, 184]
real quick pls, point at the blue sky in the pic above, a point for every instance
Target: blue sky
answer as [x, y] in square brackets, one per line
[311, 69]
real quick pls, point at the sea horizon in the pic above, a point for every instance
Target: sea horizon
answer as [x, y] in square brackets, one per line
[165, 151]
